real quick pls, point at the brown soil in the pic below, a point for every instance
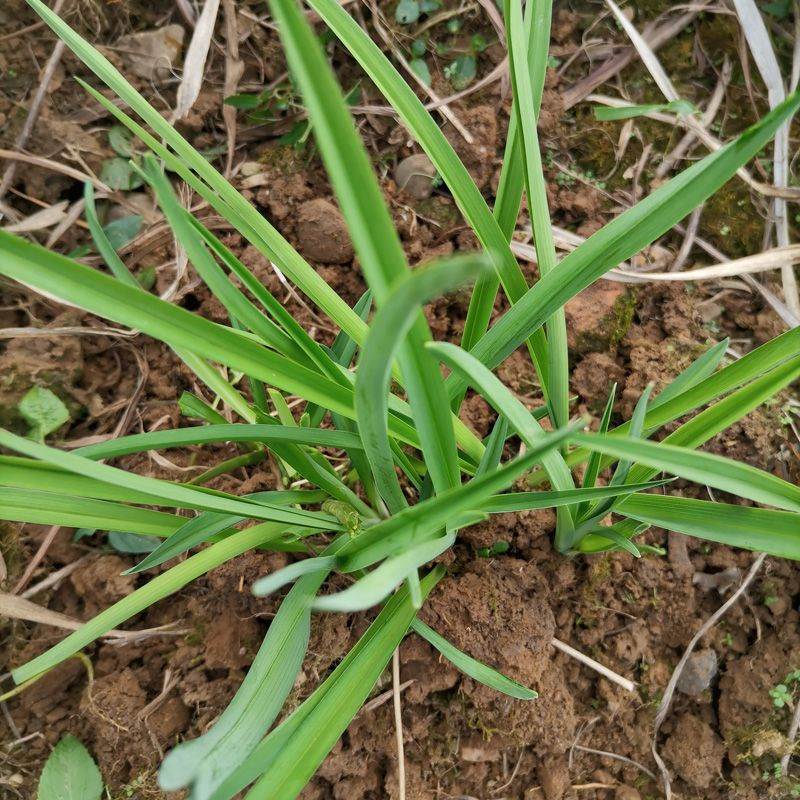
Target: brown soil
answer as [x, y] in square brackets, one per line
[461, 739]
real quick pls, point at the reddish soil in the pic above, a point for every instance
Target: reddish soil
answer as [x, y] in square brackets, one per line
[462, 740]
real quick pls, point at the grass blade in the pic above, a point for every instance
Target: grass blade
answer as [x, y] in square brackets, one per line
[519, 418]
[79, 285]
[419, 521]
[336, 702]
[470, 666]
[374, 238]
[169, 494]
[205, 762]
[526, 116]
[731, 377]
[271, 583]
[624, 237]
[466, 194]
[314, 352]
[389, 327]
[209, 524]
[223, 196]
[26, 473]
[227, 432]
[511, 181]
[495, 442]
[703, 468]
[715, 419]
[104, 246]
[697, 371]
[235, 302]
[759, 529]
[162, 586]
[50, 508]
[379, 584]
[526, 501]
[594, 465]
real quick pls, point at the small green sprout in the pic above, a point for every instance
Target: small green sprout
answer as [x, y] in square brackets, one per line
[497, 549]
[44, 411]
[781, 696]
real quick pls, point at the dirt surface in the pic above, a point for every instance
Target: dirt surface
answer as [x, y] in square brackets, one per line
[462, 740]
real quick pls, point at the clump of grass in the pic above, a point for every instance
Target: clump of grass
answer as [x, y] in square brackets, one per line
[422, 475]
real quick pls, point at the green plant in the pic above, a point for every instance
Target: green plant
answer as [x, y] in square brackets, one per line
[43, 410]
[421, 475]
[69, 774]
[783, 694]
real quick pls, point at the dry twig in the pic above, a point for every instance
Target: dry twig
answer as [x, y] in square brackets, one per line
[35, 106]
[666, 701]
[398, 725]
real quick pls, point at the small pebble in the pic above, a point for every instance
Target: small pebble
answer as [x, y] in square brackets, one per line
[414, 175]
[626, 793]
[699, 671]
[322, 233]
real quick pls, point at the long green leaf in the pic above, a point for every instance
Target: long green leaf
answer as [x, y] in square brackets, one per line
[511, 182]
[536, 190]
[209, 524]
[495, 442]
[234, 300]
[721, 473]
[526, 501]
[205, 762]
[335, 703]
[51, 508]
[204, 434]
[223, 195]
[420, 521]
[731, 377]
[276, 580]
[759, 529]
[697, 371]
[466, 194]
[520, 419]
[388, 330]
[425, 130]
[471, 666]
[716, 418]
[26, 473]
[624, 237]
[170, 494]
[79, 285]
[594, 465]
[375, 586]
[107, 251]
[162, 586]
[316, 354]
[374, 238]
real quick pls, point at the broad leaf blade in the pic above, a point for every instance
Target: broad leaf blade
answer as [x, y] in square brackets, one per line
[70, 773]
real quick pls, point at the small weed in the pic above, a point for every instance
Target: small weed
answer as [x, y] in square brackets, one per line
[783, 693]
